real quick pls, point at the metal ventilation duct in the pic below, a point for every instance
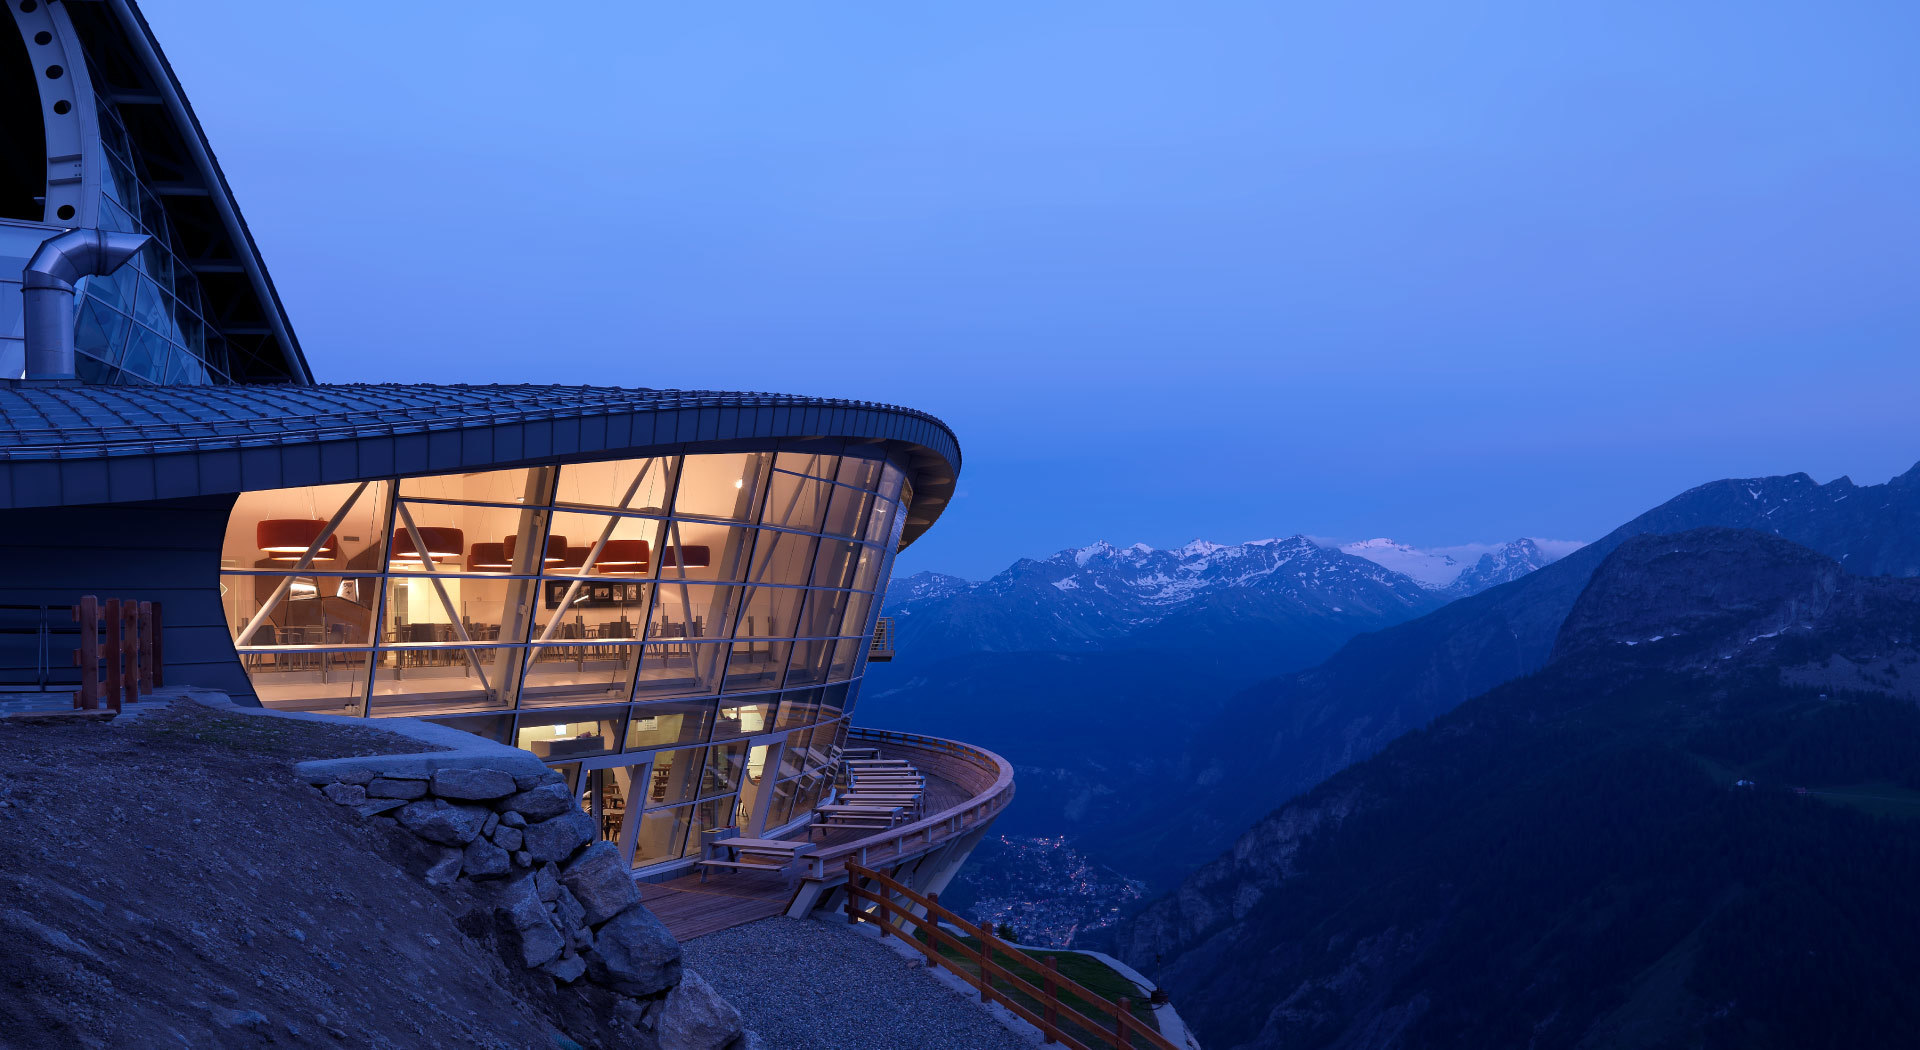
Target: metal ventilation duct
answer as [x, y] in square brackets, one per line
[48, 288]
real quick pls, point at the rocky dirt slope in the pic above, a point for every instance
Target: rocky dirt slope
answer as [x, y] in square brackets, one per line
[167, 880]
[817, 984]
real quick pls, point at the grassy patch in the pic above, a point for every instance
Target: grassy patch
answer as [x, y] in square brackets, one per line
[1881, 799]
[279, 738]
[1090, 973]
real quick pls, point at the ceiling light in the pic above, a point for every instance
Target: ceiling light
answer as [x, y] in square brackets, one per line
[289, 539]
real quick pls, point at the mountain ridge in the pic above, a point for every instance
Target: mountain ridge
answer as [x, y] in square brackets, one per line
[1385, 683]
[1437, 569]
[1152, 582]
[1617, 850]
[1094, 597]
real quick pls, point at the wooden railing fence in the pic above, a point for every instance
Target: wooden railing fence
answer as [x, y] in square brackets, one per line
[1048, 1006]
[131, 653]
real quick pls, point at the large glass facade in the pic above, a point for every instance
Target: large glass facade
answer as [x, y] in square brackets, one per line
[661, 629]
[146, 323]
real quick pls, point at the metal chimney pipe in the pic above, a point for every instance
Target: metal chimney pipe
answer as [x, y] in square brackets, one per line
[48, 287]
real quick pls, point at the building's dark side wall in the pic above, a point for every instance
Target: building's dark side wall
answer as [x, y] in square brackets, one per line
[166, 551]
[23, 135]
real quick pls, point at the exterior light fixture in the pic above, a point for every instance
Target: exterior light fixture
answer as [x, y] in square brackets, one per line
[287, 539]
[442, 544]
[740, 484]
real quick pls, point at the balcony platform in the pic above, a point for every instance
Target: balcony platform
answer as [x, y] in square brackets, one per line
[966, 788]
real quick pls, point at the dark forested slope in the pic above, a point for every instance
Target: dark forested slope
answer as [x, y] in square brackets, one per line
[1696, 826]
[1282, 736]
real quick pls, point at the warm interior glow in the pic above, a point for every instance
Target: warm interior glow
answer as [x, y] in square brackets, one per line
[623, 556]
[556, 549]
[691, 556]
[287, 539]
[442, 544]
[692, 611]
[488, 556]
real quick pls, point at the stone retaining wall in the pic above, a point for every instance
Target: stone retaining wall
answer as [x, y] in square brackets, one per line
[568, 907]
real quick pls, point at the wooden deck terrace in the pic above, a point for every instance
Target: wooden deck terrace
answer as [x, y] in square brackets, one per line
[966, 788]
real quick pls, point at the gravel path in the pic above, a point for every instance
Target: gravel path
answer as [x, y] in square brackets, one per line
[814, 984]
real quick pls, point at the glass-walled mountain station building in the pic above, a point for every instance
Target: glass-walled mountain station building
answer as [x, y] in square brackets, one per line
[674, 610]
[669, 596]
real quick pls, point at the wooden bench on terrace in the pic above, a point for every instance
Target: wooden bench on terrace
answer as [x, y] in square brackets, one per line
[886, 783]
[910, 803]
[753, 855]
[883, 791]
[842, 815]
[854, 796]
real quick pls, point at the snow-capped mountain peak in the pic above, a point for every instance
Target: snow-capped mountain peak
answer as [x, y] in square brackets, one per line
[1086, 554]
[1199, 548]
[1104, 590]
[1505, 565]
[1084, 595]
[1466, 569]
[1430, 569]
[1101, 550]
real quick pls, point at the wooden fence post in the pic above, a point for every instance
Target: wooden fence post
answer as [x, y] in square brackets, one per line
[159, 664]
[1051, 1005]
[115, 652]
[87, 697]
[933, 941]
[146, 648]
[130, 646]
[1036, 990]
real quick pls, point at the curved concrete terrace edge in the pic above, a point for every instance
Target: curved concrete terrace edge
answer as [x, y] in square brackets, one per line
[828, 866]
[66, 446]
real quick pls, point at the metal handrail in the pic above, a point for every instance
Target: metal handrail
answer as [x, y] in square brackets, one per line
[943, 826]
[44, 626]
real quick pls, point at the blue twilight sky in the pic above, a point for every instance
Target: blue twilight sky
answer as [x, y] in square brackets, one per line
[1445, 271]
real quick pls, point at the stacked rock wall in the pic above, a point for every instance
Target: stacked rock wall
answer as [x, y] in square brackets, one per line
[516, 840]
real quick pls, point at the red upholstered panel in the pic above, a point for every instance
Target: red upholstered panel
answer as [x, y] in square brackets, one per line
[556, 549]
[691, 556]
[441, 543]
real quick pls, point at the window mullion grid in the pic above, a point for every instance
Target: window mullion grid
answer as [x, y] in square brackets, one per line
[717, 648]
[382, 538]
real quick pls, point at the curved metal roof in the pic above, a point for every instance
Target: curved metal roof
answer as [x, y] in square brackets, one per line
[69, 445]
